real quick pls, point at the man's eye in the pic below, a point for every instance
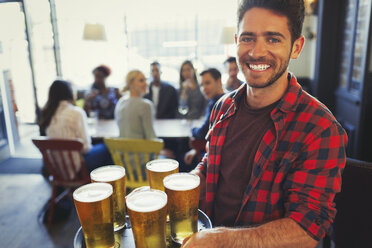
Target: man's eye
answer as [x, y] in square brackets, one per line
[246, 39]
[274, 40]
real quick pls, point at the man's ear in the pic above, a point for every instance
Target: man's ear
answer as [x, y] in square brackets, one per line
[236, 39]
[297, 47]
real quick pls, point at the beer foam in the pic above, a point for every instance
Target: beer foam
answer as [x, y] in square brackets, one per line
[107, 173]
[146, 200]
[181, 181]
[162, 165]
[93, 192]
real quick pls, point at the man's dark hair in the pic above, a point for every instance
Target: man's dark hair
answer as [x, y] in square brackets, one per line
[216, 74]
[294, 10]
[230, 60]
[155, 63]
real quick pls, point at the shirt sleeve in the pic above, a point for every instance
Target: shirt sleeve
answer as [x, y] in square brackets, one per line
[316, 178]
[202, 131]
[147, 121]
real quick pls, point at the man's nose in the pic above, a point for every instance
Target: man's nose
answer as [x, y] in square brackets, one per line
[258, 49]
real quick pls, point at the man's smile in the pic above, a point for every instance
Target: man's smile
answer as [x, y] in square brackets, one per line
[258, 67]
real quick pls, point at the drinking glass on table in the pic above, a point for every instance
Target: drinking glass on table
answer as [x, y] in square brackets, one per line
[183, 200]
[147, 210]
[158, 169]
[93, 204]
[114, 175]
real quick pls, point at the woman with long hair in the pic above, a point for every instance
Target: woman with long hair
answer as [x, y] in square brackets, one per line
[135, 114]
[191, 100]
[60, 118]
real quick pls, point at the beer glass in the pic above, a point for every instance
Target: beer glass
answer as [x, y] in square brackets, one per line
[147, 210]
[183, 200]
[114, 175]
[158, 169]
[93, 204]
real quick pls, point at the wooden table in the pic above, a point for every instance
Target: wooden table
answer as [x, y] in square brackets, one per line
[166, 128]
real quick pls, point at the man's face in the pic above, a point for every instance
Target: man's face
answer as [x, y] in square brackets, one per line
[233, 69]
[155, 73]
[265, 47]
[99, 77]
[211, 87]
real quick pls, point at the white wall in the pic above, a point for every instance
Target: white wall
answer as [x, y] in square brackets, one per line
[304, 66]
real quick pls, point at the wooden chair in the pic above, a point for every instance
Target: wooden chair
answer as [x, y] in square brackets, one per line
[199, 146]
[64, 161]
[352, 226]
[133, 154]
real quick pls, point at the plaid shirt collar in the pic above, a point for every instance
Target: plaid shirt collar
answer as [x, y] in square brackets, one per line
[288, 102]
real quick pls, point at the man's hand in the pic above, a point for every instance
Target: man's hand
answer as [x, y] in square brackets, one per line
[189, 156]
[206, 238]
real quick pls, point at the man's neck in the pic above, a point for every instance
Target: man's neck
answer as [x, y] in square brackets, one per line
[156, 83]
[261, 97]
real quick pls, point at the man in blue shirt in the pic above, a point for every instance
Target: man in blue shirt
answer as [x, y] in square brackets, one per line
[212, 89]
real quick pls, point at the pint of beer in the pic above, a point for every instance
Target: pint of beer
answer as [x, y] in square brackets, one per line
[94, 207]
[158, 169]
[183, 200]
[114, 175]
[147, 210]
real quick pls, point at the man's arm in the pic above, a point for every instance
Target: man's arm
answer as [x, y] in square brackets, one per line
[279, 233]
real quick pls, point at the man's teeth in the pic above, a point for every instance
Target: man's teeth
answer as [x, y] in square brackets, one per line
[260, 67]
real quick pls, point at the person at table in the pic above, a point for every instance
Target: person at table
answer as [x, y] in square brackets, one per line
[191, 100]
[275, 153]
[212, 88]
[162, 94]
[101, 99]
[134, 114]
[233, 82]
[60, 118]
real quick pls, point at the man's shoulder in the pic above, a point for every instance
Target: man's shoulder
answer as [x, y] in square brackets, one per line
[316, 115]
[227, 99]
[167, 85]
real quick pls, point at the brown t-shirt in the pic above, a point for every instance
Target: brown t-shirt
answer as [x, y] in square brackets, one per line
[244, 134]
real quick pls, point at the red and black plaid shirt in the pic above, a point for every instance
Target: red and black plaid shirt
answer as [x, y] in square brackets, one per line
[297, 167]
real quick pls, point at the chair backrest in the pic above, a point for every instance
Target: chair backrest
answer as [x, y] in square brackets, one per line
[63, 158]
[133, 154]
[352, 226]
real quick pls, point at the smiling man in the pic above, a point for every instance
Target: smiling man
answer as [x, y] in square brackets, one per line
[275, 153]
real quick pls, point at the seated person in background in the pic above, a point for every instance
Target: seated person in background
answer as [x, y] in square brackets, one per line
[162, 94]
[60, 118]
[165, 99]
[101, 98]
[212, 88]
[191, 100]
[233, 81]
[133, 114]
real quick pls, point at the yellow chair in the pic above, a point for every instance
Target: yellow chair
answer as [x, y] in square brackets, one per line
[133, 154]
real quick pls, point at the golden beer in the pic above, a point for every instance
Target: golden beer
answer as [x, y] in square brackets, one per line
[94, 207]
[147, 210]
[183, 201]
[114, 175]
[158, 169]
